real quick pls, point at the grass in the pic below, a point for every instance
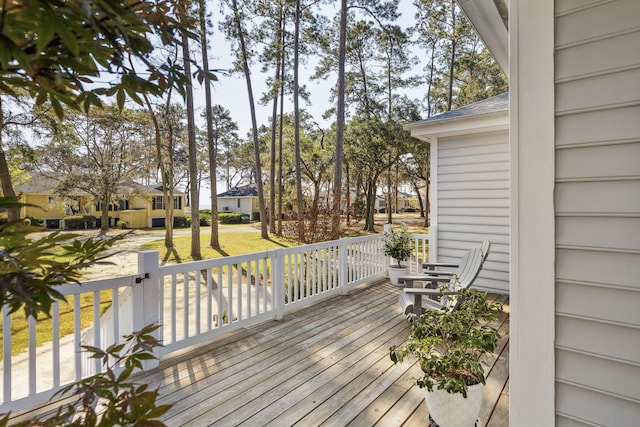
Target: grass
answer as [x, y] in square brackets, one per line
[44, 326]
[232, 243]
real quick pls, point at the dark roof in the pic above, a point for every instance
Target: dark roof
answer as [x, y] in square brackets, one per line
[240, 192]
[486, 106]
[41, 184]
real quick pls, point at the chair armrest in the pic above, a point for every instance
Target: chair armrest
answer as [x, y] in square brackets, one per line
[430, 265]
[408, 280]
[426, 291]
[438, 273]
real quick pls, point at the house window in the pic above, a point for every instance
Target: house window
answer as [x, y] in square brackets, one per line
[123, 204]
[51, 200]
[177, 202]
[157, 202]
[238, 204]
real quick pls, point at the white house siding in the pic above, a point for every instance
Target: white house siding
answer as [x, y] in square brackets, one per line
[597, 198]
[473, 202]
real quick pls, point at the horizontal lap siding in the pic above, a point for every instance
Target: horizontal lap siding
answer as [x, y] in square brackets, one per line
[473, 202]
[597, 198]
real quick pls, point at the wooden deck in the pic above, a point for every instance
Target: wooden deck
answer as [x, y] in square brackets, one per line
[325, 365]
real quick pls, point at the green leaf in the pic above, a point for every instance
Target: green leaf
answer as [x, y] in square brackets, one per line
[46, 29]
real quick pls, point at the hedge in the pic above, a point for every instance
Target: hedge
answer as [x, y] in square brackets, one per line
[80, 222]
[229, 218]
[181, 222]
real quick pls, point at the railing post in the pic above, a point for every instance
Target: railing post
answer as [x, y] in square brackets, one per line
[277, 283]
[343, 279]
[146, 297]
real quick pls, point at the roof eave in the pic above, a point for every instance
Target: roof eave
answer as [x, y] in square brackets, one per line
[488, 122]
[490, 20]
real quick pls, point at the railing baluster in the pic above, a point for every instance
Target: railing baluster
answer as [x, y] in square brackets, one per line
[77, 336]
[197, 314]
[115, 303]
[220, 285]
[96, 328]
[55, 342]
[249, 282]
[209, 298]
[230, 291]
[6, 354]
[32, 355]
[174, 311]
[239, 284]
[185, 306]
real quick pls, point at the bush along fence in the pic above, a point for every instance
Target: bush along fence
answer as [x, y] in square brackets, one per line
[193, 302]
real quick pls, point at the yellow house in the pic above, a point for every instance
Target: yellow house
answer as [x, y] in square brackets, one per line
[137, 206]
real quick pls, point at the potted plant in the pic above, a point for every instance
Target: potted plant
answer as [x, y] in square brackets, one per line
[449, 345]
[397, 246]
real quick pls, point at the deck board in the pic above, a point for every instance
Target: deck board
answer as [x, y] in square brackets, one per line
[327, 364]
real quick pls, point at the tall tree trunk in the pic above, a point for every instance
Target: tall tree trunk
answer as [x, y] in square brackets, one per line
[453, 53]
[214, 241]
[347, 201]
[281, 127]
[371, 202]
[254, 125]
[430, 85]
[391, 206]
[274, 122]
[164, 174]
[193, 163]
[296, 124]
[339, 156]
[5, 175]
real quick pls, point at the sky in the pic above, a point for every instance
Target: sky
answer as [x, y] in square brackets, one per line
[231, 92]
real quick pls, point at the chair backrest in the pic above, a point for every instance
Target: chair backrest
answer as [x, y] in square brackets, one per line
[470, 270]
[485, 247]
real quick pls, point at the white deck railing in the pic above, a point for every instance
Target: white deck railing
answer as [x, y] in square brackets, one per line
[194, 302]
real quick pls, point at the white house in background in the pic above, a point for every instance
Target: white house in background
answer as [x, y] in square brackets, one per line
[239, 200]
[574, 140]
[470, 185]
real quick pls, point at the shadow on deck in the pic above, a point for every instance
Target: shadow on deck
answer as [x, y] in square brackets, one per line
[324, 365]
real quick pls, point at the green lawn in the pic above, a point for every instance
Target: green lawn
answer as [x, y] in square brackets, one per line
[232, 243]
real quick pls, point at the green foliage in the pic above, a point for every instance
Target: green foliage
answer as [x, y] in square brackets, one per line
[205, 217]
[79, 222]
[30, 270]
[397, 245]
[36, 222]
[111, 398]
[449, 344]
[55, 50]
[181, 222]
[229, 218]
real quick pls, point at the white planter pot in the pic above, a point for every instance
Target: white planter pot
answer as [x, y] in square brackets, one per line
[395, 272]
[453, 410]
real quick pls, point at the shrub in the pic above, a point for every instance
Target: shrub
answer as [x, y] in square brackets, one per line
[205, 217]
[229, 218]
[181, 222]
[36, 222]
[123, 225]
[79, 222]
[256, 216]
